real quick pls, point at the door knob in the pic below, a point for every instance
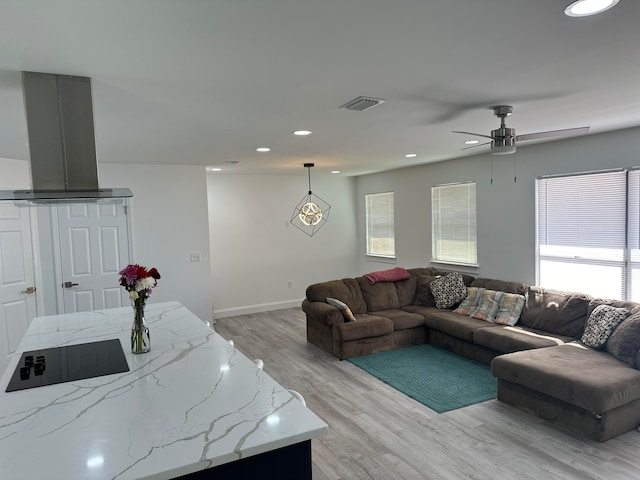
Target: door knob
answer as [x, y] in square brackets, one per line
[29, 290]
[69, 285]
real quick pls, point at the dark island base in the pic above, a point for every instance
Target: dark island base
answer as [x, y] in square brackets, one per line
[286, 463]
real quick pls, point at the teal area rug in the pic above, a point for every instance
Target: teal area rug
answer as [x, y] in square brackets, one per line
[439, 379]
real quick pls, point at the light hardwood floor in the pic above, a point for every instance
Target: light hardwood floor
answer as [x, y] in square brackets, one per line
[376, 432]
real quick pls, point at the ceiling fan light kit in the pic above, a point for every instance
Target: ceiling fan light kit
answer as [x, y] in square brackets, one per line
[504, 139]
[584, 8]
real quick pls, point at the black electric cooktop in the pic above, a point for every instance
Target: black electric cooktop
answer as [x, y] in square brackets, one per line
[66, 364]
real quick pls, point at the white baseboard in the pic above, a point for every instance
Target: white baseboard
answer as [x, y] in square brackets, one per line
[262, 307]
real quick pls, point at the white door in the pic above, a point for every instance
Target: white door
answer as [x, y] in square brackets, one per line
[17, 288]
[94, 247]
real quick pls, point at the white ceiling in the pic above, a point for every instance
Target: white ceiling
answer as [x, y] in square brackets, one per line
[207, 82]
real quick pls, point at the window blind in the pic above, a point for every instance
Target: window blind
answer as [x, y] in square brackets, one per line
[453, 217]
[380, 224]
[582, 233]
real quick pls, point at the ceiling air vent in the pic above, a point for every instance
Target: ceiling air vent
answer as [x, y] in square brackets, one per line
[362, 103]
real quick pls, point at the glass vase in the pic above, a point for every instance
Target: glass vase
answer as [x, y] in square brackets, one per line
[140, 337]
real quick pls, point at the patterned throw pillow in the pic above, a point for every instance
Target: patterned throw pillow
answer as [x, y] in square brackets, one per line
[470, 303]
[488, 306]
[601, 323]
[449, 290]
[343, 307]
[511, 307]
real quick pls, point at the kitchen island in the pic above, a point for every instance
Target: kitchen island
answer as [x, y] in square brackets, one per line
[193, 407]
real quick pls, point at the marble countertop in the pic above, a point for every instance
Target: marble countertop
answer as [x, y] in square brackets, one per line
[191, 403]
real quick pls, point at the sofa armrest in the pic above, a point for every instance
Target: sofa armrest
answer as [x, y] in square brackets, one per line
[323, 313]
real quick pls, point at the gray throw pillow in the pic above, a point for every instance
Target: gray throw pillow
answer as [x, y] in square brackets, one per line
[601, 323]
[449, 290]
[343, 307]
[624, 342]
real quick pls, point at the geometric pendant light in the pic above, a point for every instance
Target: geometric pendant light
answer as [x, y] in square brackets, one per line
[311, 213]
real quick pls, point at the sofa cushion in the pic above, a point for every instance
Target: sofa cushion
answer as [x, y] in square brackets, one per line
[379, 296]
[347, 290]
[424, 295]
[367, 326]
[449, 290]
[467, 279]
[406, 290]
[601, 323]
[633, 307]
[454, 324]
[624, 342]
[434, 272]
[402, 319]
[344, 309]
[573, 373]
[511, 305]
[553, 311]
[488, 306]
[500, 285]
[470, 303]
[513, 339]
[422, 310]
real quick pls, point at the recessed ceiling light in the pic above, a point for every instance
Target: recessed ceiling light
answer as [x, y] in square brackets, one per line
[471, 142]
[583, 8]
[302, 132]
[214, 169]
[411, 155]
[263, 149]
[335, 171]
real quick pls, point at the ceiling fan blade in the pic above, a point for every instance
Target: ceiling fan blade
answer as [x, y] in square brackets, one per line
[567, 132]
[471, 133]
[476, 145]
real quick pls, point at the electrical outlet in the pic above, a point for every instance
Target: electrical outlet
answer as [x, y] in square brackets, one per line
[289, 283]
[195, 257]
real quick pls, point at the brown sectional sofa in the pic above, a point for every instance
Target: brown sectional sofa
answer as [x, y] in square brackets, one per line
[540, 364]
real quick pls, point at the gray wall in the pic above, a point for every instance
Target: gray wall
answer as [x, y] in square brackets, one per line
[255, 253]
[505, 210]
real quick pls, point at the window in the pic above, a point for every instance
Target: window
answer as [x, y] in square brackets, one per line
[453, 224]
[380, 230]
[588, 233]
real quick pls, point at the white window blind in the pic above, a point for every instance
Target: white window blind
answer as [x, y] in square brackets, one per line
[583, 224]
[380, 225]
[633, 236]
[453, 218]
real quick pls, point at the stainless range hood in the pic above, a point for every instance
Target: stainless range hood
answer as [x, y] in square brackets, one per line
[62, 146]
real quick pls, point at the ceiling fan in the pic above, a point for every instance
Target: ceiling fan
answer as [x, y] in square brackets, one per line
[504, 139]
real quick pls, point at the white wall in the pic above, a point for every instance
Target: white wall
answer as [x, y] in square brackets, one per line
[14, 174]
[170, 221]
[255, 252]
[505, 210]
